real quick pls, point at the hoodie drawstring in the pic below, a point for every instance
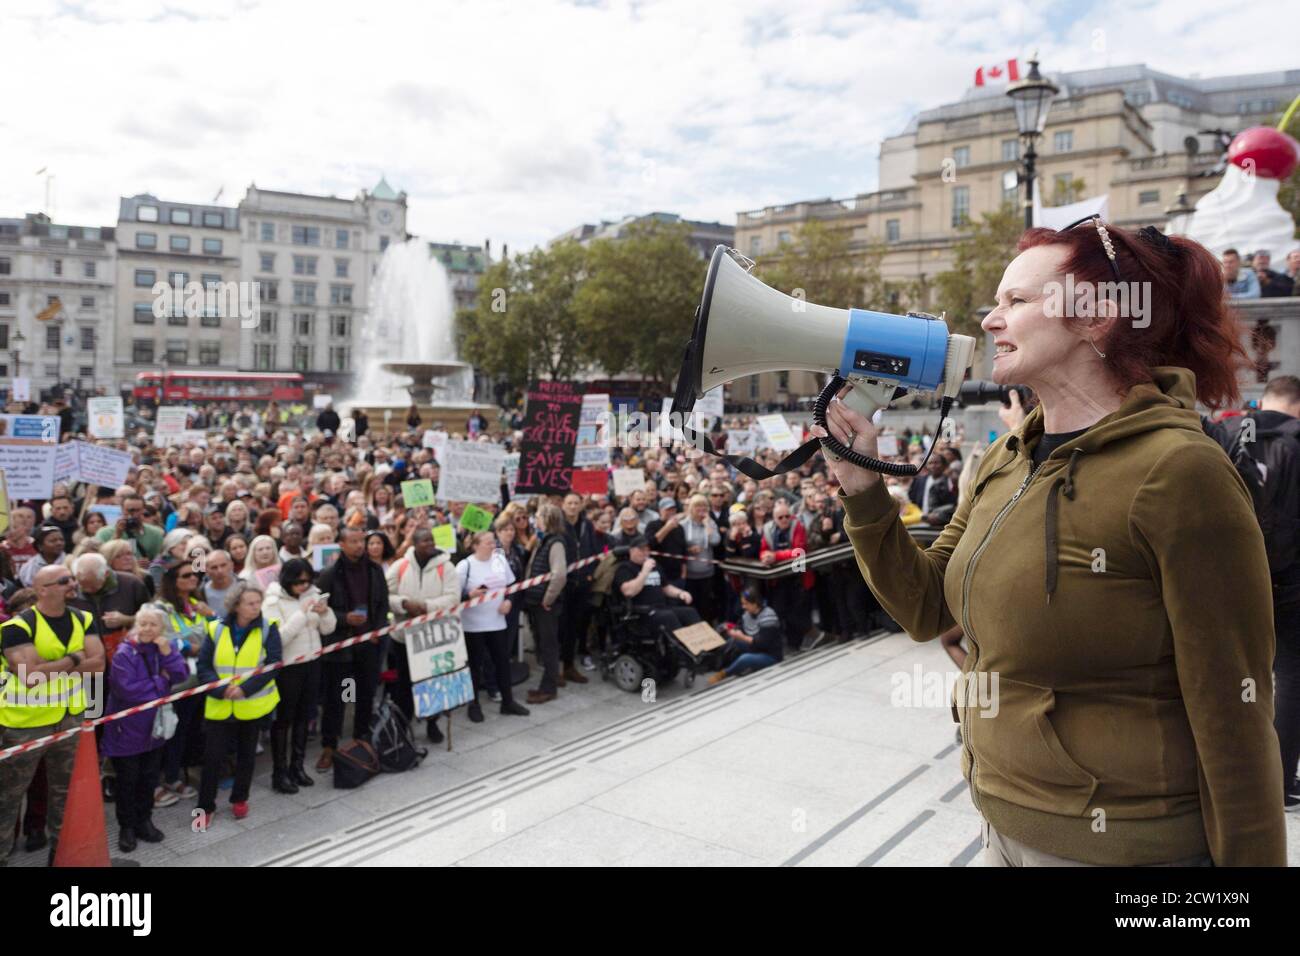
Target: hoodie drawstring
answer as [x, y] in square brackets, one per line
[1065, 484]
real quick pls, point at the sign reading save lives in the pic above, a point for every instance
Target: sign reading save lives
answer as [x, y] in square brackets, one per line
[439, 663]
[550, 431]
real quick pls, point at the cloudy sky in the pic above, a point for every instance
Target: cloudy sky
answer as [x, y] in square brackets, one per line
[518, 120]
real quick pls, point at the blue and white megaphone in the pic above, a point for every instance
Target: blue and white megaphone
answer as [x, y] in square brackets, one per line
[743, 327]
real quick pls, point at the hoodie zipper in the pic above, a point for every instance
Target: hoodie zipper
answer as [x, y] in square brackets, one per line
[965, 618]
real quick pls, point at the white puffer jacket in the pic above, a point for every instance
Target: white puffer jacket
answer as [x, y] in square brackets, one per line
[300, 628]
[435, 586]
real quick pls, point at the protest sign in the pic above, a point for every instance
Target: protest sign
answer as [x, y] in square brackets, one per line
[699, 637]
[324, 555]
[444, 536]
[111, 513]
[474, 518]
[194, 436]
[320, 401]
[740, 441]
[778, 432]
[437, 441]
[28, 446]
[887, 445]
[97, 465]
[105, 418]
[65, 462]
[21, 390]
[267, 575]
[470, 471]
[4, 505]
[594, 481]
[439, 665]
[511, 466]
[169, 425]
[628, 480]
[592, 448]
[550, 430]
[417, 493]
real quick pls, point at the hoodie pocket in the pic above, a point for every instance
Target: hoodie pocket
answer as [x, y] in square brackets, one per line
[1019, 758]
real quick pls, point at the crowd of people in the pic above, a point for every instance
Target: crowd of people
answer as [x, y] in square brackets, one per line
[207, 562]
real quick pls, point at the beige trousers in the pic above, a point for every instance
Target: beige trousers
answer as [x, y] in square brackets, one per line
[1001, 850]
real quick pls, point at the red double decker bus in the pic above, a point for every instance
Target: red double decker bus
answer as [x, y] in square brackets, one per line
[181, 386]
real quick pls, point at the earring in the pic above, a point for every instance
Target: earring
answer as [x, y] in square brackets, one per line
[1100, 353]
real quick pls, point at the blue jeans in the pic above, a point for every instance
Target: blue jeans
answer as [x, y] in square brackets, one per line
[749, 661]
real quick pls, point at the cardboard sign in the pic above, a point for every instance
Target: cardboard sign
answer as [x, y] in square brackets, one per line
[169, 425]
[590, 481]
[550, 431]
[21, 390]
[92, 464]
[475, 519]
[444, 536]
[105, 418]
[435, 648]
[699, 638]
[28, 447]
[628, 480]
[778, 432]
[417, 493]
[592, 448]
[471, 471]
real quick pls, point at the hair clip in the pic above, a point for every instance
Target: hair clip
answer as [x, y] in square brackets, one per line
[1157, 238]
[1105, 238]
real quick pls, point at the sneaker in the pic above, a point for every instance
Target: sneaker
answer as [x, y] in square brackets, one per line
[494, 696]
[1290, 804]
[587, 663]
[1293, 788]
[717, 678]
[240, 809]
[162, 797]
[182, 789]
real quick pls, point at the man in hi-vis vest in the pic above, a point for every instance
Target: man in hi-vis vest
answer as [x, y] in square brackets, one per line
[237, 643]
[47, 651]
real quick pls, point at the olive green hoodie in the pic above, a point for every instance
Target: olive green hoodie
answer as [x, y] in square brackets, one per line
[1120, 596]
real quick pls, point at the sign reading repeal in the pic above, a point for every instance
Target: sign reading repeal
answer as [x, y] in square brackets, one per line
[550, 431]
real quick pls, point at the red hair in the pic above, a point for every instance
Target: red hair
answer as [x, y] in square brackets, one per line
[1190, 322]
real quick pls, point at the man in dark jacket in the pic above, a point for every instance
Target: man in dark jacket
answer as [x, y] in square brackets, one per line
[575, 620]
[358, 595]
[328, 420]
[934, 492]
[665, 535]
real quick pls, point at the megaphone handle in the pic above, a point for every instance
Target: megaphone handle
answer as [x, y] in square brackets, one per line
[865, 398]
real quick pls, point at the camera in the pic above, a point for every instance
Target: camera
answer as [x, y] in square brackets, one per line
[977, 392]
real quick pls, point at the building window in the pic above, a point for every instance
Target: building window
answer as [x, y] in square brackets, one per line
[88, 268]
[268, 232]
[960, 205]
[209, 353]
[178, 243]
[1063, 188]
[268, 291]
[177, 317]
[57, 266]
[5, 267]
[87, 301]
[1010, 150]
[4, 300]
[302, 323]
[179, 279]
[755, 245]
[214, 220]
[304, 293]
[4, 370]
[340, 239]
[146, 214]
[264, 356]
[383, 243]
[304, 265]
[341, 268]
[212, 247]
[306, 236]
[1148, 196]
[339, 325]
[142, 349]
[753, 388]
[178, 352]
[302, 358]
[1063, 141]
[180, 217]
[52, 342]
[340, 295]
[87, 340]
[268, 262]
[4, 336]
[143, 313]
[211, 280]
[340, 358]
[961, 156]
[146, 240]
[892, 230]
[145, 278]
[86, 371]
[210, 319]
[266, 323]
[783, 238]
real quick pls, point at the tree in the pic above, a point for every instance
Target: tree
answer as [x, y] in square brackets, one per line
[820, 264]
[980, 258]
[635, 309]
[523, 325]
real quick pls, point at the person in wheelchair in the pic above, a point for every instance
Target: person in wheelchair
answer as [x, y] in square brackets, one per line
[638, 580]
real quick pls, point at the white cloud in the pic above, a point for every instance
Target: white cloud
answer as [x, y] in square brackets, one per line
[518, 120]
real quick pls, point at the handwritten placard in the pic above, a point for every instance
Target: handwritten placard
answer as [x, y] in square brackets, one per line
[699, 638]
[471, 471]
[417, 493]
[550, 431]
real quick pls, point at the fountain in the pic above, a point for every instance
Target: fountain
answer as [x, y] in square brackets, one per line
[408, 346]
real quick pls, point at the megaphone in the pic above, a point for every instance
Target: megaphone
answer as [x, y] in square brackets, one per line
[743, 327]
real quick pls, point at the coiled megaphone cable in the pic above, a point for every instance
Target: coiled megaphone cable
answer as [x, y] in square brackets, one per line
[838, 448]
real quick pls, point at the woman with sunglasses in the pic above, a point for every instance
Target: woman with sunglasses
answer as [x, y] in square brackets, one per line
[186, 626]
[1107, 568]
[304, 616]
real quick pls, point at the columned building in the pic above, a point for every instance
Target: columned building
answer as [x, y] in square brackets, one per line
[56, 304]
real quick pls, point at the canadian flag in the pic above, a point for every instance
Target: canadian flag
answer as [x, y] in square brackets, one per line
[998, 73]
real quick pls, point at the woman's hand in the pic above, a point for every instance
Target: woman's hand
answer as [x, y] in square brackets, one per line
[845, 424]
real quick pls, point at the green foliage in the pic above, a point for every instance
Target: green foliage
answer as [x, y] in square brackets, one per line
[980, 257]
[821, 263]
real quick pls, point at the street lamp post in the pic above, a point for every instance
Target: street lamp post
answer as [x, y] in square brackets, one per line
[1032, 99]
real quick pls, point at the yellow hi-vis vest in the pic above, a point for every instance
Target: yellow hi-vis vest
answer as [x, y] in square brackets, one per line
[229, 663]
[47, 702]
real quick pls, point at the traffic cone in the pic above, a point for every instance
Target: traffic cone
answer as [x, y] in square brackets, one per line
[83, 839]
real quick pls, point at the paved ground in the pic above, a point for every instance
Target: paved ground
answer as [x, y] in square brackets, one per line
[807, 763]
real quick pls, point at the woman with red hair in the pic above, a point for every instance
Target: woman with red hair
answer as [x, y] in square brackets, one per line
[1106, 568]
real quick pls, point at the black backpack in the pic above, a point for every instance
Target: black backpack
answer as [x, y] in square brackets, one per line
[392, 740]
[1270, 467]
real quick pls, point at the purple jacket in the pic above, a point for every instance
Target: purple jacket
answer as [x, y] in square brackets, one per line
[138, 674]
